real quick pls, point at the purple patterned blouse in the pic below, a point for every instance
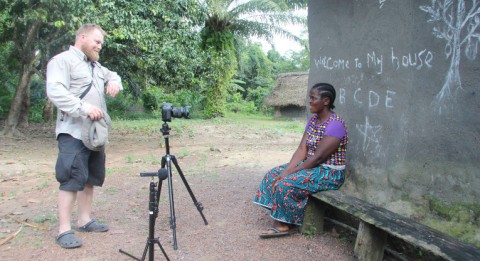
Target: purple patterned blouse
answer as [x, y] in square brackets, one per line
[333, 126]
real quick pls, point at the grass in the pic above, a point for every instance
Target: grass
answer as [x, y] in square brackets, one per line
[42, 185]
[188, 126]
[130, 159]
[111, 190]
[253, 124]
[310, 231]
[44, 218]
[119, 170]
[183, 154]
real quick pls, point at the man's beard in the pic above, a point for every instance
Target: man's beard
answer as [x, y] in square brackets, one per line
[91, 54]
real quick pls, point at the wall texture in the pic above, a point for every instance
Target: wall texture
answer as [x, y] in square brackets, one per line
[408, 85]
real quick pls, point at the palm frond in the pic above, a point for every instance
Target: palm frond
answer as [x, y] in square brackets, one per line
[256, 6]
[246, 29]
[297, 4]
[260, 18]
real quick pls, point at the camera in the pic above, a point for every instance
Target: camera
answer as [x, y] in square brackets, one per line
[177, 112]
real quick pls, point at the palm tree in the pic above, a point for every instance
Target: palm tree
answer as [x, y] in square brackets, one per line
[230, 20]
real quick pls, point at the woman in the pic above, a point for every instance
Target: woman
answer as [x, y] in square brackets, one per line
[317, 164]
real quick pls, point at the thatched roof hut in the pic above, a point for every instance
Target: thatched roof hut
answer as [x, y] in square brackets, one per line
[289, 95]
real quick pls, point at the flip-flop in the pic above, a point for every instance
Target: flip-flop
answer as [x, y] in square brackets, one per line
[276, 233]
[93, 226]
[68, 240]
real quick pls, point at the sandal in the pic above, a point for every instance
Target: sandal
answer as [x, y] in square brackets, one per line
[276, 233]
[68, 240]
[93, 226]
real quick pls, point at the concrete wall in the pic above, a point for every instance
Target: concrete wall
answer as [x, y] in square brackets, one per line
[409, 92]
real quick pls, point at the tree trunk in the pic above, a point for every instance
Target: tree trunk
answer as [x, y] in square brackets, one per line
[18, 103]
[25, 109]
[48, 111]
[25, 42]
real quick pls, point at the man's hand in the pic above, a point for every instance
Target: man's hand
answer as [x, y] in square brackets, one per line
[112, 88]
[95, 113]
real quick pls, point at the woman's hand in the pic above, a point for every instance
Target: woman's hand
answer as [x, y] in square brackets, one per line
[278, 179]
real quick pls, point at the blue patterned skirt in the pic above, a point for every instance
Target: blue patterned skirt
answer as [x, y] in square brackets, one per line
[288, 201]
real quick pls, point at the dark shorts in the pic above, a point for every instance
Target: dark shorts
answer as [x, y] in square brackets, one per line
[77, 165]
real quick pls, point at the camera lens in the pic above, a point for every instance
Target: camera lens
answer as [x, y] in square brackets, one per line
[179, 112]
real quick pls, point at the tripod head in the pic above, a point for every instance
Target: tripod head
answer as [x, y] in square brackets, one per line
[165, 129]
[166, 133]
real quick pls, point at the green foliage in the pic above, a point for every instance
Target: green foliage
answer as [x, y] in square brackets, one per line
[153, 98]
[237, 104]
[464, 213]
[255, 68]
[310, 230]
[37, 99]
[257, 96]
[8, 78]
[221, 69]
[227, 19]
[125, 106]
[292, 62]
[156, 48]
[152, 43]
[458, 220]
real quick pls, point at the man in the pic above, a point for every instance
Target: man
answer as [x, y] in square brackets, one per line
[76, 84]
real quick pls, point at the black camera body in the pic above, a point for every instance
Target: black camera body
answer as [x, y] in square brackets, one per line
[176, 112]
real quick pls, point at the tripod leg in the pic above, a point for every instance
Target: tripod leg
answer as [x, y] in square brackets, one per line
[197, 204]
[163, 251]
[173, 225]
[129, 255]
[154, 198]
[147, 246]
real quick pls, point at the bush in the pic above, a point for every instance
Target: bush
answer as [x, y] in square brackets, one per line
[125, 106]
[236, 103]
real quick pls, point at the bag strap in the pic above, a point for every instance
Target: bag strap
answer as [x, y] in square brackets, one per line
[86, 91]
[89, 86]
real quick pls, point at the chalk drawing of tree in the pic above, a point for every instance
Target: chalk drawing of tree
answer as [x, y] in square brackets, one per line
[458, 25]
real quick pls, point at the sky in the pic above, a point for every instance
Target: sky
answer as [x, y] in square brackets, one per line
[283, 45]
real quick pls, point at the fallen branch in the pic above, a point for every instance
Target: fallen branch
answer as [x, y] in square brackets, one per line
[11, 236]
[28, 224]
[9, 179]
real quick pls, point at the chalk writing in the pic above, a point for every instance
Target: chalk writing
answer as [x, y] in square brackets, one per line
[419, 60]
[381, 3]
[459, 28]
[375, 61]
[389, 99]
[370, 135]
[368, 97]
[329, 63]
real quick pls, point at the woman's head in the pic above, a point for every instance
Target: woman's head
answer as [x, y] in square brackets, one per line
[325, 90]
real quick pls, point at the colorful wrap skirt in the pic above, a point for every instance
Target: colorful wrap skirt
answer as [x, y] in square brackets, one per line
[289, 199]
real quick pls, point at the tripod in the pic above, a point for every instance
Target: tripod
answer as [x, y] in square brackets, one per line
[167, 161]
[153, 213]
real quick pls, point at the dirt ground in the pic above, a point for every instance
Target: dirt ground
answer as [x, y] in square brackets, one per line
[223, 164]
